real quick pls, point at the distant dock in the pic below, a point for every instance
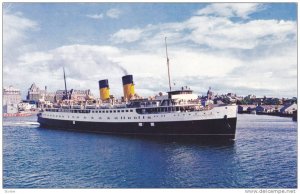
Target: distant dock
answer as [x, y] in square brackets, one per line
[272, 110]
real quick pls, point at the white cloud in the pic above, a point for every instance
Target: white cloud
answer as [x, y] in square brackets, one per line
[15, 28]
[223, 33]
[242, 10]
[95, 16]
[214, 32]
[111, 13]
[253, 56]
[114, 13]
[235, 55]
[126, 35]
[84, 65]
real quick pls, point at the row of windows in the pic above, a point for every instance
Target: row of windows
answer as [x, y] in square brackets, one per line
[67, 110]
[111, 111]
[73, 117]
[168, 109]
[88, 111]
[139, 110]
[122, 117]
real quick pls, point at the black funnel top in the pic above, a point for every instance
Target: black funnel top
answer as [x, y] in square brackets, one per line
[127, 79]
[103, 83]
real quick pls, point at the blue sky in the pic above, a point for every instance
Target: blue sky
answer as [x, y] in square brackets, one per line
[237, 47]
[62, 21]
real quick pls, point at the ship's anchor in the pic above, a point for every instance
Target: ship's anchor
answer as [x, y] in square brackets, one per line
[226, 122]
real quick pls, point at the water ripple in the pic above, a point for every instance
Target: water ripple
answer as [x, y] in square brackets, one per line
[264, 155]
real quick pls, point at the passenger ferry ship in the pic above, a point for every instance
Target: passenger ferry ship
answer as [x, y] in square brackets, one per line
[180, 113]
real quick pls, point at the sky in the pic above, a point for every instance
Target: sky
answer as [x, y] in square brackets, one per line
[242, 48]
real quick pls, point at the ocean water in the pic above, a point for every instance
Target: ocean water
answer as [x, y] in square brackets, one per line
[264, 155]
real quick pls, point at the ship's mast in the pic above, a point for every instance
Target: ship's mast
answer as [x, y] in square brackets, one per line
[168, 64]
[66, 91]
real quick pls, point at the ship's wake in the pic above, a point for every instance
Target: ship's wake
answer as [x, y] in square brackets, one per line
[25, 123]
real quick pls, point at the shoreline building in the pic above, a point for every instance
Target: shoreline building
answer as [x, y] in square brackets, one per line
[11, 98]
[75, 95]
[50, 96]
[44, 97]
[40, 96]
[35, 94]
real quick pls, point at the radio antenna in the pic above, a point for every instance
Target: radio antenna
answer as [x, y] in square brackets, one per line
[168, 63]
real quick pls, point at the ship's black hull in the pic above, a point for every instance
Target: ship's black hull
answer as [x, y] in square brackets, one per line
[217, 128]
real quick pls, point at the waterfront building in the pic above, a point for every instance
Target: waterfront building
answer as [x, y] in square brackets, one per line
[75, 95]
[26, 105]
[35, 94]
[289, 101]
[11, 97]
[257, 101]
[81, 95]
[10, 108]
[268, 108]
[50, 96]
[40, 96]
[289, 109]
[60, 95]
[246, 108]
